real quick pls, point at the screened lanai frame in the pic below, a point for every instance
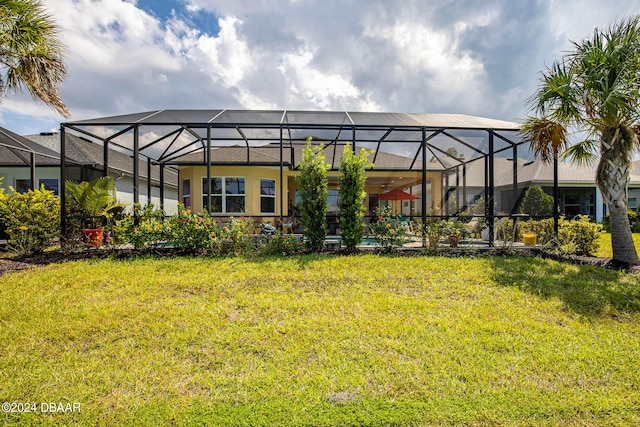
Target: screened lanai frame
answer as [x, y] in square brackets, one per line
[173, 138]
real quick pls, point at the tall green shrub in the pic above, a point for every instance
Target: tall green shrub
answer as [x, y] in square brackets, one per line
[351, 196]
[313, 194]
[537, 203]
[32, 220]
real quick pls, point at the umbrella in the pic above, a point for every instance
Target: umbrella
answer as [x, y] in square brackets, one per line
[396, 194]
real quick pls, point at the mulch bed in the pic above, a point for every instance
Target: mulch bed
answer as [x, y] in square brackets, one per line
[9, 263]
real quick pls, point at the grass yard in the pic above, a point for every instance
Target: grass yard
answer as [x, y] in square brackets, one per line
[366, 340]
[605, 245]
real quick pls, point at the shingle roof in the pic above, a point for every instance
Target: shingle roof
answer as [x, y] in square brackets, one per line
[538, 172]
[269, 154]
[15, 150]
[82, 151]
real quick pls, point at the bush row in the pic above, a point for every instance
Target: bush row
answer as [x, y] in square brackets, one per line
[147, 228]
[578, 236]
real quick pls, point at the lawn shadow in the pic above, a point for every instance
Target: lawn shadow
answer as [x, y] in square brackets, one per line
[584, 289]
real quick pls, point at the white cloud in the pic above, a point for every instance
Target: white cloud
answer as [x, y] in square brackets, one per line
[226, 57]
[379, 55]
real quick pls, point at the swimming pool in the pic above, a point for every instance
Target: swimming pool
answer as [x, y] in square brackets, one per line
[366, 241]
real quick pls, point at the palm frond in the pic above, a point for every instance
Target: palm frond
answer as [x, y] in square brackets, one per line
[582, 153]
[557, 96]
[545, 137]
[31, 52]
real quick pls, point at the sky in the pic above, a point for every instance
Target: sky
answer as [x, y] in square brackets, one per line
[481, 58]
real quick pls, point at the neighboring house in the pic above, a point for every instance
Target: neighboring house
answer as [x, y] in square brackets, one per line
[84, 163]
[578, 193]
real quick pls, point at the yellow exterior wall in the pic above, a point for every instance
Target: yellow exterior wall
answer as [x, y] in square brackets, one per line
[252, 175]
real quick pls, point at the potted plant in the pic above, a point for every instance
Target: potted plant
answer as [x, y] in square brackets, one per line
[94, 201]
[454, 231]
[434, 231]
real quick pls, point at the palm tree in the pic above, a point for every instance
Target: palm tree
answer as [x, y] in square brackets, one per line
[95, 199]
[31, 54]
[595, 91]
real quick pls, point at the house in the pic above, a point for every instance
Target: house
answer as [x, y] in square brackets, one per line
[232, 179]
[245, 162]
[84, 163]
[577, 190]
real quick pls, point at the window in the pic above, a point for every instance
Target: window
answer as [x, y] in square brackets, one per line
[186, 192]
[22, 185]
[227, 194]
[332, 201]
[267, 196]
[49, 184]
[571, 205]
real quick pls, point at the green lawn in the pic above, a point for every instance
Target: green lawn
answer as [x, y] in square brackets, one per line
[605, 245]
[322, 341]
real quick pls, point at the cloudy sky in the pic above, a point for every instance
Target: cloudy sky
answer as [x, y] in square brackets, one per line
[422, 56]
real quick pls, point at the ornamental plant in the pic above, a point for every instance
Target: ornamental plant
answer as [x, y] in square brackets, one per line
[32, 220]
[389, 230]
[285, 244]
[96, 200]
[434, 231]
[191, 232]
[351, 196]
[143, 227]
[537, 203]
[234, 237]
[579, 236]
[313, 194]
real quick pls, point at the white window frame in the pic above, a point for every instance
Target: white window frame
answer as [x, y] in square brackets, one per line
[269, 196]
[224, 195]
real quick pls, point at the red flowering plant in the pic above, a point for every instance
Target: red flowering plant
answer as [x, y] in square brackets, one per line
[191, 231]
[389, 230]
[234, 237]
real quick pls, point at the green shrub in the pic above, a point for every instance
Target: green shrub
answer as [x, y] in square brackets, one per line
[32, 220]
[537, 203]
[543, 228]
[434, 231]
[234, 237]
[352, 195]
[143, 227]
[580, 236]
[313, 192]
[389, 230]
[285, 244]
[190, 232]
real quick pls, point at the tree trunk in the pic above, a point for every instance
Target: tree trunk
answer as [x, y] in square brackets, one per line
[612, 179]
